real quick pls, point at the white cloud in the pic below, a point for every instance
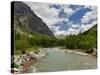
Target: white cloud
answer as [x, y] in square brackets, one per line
[70, 23]
[92, 15]
[59, 32]
[50, 17]
[94, 8]
[62, 33]
[73, 31]
[75, 25]
[69, 11]
[43, 10]
[81, 28]
[87, 27]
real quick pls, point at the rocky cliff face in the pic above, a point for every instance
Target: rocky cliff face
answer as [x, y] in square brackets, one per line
[26, 19]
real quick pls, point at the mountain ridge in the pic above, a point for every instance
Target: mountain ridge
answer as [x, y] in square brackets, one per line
[86, 40]
[26, 19]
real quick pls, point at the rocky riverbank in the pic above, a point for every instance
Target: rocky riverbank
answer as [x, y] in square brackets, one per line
[91, 52]
[25, 61]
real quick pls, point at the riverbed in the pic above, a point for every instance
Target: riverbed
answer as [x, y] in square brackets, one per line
[56, 60]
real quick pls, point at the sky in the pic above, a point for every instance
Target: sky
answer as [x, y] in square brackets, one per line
[65, 19]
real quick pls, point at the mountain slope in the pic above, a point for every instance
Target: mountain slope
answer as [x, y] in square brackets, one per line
[29, 30]
[25, 19]
[86, 40]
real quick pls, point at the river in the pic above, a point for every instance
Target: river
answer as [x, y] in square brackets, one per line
[63, 61]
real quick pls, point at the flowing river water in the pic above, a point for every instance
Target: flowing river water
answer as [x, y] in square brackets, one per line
[56, 60]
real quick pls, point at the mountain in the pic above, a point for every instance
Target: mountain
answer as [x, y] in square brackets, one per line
[92, 31]
[26, 20]
[86, 40]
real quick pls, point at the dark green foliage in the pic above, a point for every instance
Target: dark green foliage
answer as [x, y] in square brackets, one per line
[21, 41]
[25, 40]
[41, 40]
[86, 40]
[14, 65]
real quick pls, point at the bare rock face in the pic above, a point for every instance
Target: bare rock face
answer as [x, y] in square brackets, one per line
[27, 20]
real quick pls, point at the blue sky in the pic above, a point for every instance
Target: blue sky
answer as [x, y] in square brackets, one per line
[66, 19]
[78, 15]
